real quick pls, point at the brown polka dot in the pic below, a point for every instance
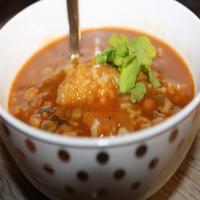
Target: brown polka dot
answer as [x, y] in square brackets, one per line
[102, 158]
[119, 174]
[82, 176]
[153, 163]
[135, 185]
[64, 156]
[6, 129]
[141, 150]
[69, 189]
[48, 169]
[173, 135]
[30, 145]
[102, 192]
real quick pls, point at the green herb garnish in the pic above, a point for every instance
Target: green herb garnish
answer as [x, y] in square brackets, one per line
[130, 58]
[138, 92]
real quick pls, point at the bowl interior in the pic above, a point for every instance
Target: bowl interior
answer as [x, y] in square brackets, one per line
[47, 20]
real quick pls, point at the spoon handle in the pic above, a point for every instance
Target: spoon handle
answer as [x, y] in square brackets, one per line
[75, 36]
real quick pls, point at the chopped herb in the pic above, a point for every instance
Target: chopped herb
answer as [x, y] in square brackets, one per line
[143, 50]
[128, 77]
[117, 39]
[154, 81]
[130, 58]
[103, 57]
[138, 92]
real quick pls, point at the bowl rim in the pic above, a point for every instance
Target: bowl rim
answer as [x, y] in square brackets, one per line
[87, 142]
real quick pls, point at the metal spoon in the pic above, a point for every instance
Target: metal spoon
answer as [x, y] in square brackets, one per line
[75, 35]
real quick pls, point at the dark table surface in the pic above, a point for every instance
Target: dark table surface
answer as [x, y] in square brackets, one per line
[10, 7]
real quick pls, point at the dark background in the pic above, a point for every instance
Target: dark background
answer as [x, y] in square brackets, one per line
[7, 9]
[10, 7]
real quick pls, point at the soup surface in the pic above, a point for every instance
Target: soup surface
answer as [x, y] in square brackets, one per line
[83, 99]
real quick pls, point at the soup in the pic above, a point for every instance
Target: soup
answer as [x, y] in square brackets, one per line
[123, 82]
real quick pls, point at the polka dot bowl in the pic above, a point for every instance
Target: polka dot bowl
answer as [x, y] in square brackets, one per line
[127, 167]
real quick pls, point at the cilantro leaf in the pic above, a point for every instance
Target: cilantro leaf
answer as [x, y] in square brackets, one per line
[138, 92]
[153, 80]
[120, 53]
[122, 50]
[102, 58]
[117, 39]
[128, 77]
[111, 57]
[118, 60]
[142, 48]
[127, 60]
[130, 58]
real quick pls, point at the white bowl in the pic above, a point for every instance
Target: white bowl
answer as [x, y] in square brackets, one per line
[143, 161]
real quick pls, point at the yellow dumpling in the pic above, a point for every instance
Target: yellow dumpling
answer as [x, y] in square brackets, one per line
[86, 83]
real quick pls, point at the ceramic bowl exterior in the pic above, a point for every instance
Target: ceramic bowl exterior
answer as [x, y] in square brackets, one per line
[132, 166]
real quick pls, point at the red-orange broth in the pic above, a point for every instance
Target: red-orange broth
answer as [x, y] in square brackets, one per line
[34, 93]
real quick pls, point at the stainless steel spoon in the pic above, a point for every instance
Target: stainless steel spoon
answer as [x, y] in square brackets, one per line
[75, 35]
